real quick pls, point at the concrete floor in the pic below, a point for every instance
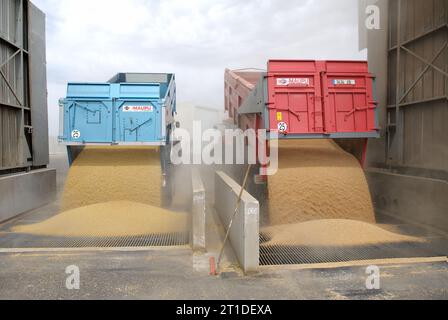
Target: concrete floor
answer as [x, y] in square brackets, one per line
[169, 274]
[177, 273]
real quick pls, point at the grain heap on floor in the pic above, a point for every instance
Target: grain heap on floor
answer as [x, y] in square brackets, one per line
[110, 219]
[317, 180]
[330, 233]
[320, 197]
[112, 192]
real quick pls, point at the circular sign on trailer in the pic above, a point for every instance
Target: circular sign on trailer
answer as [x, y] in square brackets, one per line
[76, 134]
[282, 127]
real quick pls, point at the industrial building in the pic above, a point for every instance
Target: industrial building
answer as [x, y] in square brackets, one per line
[408, 164]
[349, 171]
[25, 183]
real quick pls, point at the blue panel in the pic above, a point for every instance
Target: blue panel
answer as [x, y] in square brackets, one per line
[88, 90]
[114, 113]
[147, 91]
[88, 121]
[138, 121]
[163, 89]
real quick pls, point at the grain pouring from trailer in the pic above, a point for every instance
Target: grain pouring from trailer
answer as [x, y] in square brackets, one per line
[130, 110]
[118, 186]
[323, 113]
[305, 99]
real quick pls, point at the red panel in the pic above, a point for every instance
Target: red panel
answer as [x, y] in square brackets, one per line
[321, 97]
[347, 66]
[309, 97]
[294, 96]
[238, 85]
[351, 98]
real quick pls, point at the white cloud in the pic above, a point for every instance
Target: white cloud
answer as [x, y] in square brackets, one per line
[91, 40]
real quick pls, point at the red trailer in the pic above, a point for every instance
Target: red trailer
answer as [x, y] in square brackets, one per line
[305, 99]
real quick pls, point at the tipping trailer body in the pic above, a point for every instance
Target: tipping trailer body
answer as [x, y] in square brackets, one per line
[119, 112]
[131, 109]
[306, 99]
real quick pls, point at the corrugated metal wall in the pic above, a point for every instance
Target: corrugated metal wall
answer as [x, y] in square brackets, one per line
[21, 115]
[408, 167]
[10, 137]
[417, 121]
[38, 84]
[11, 83]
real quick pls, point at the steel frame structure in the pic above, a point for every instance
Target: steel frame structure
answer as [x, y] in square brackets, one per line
[400, 49]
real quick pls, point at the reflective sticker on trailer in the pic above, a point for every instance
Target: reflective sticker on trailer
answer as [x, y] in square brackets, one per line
[76, 134]
[344, 82]
[138, 109]
[301, 82]
[279, 116]
[282, 127]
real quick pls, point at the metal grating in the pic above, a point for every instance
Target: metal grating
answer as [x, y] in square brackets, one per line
[16, 241]
[290, 255]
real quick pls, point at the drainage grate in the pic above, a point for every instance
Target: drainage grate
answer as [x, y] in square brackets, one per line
[15, 241]
[288, 255]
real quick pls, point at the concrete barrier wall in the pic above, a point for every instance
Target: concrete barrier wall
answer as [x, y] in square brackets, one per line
[416, 199]
[55, 147]
[20, 193]
[198, 211]
[244, 234]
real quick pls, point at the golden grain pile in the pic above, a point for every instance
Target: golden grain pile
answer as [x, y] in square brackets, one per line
[112, 192]
[317, 180]
[102, 174]
[320, 197]
[332, 232]
[114, 218]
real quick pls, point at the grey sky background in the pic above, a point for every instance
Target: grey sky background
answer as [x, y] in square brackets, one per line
[91, 40]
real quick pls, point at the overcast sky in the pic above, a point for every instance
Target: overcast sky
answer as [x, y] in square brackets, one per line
[91, 40]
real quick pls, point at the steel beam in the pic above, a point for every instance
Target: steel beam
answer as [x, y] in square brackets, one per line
[9, 43]
[10, 105]
[416, 102]
[11, 88]
[398, 116]
[431, 64]
[2, 64]
[421, 36]
[428, 65]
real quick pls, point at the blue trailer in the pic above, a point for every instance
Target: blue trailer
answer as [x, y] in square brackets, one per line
[130, 109]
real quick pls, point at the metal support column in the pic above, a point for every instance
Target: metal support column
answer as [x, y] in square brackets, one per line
[399, 137]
